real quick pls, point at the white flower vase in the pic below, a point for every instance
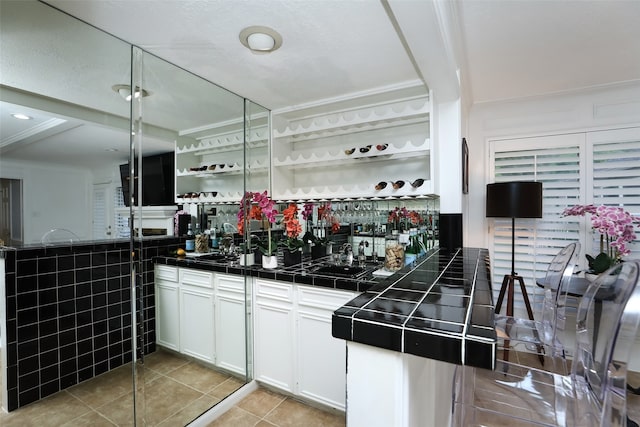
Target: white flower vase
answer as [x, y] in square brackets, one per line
[269, 262]
[247, 259]
[329, 248]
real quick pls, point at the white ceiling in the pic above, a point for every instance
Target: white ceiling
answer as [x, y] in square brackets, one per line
[508, 48]
[336, 48]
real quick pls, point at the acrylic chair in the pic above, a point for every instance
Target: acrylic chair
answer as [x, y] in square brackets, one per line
[593, 394]
[59, 235]
[551, 317]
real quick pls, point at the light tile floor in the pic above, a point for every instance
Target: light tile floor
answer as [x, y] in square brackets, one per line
[177, 391]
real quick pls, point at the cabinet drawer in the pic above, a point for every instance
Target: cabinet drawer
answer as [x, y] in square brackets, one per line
[196, 278]
[274, 290]
[166, 272]
[323, 298]
[230, 283]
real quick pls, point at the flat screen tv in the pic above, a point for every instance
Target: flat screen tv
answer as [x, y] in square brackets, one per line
[157, 181]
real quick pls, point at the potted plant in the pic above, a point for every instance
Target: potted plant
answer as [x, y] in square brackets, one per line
[260, 206]
[615, 226]
[326, 216]
[308, 239]
[247, 256]
[292, 251]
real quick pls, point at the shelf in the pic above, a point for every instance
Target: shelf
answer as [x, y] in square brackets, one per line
[360, 120]
[217, 146]
[339, 156]
[355, 192]
[229, 169]
[219, 198]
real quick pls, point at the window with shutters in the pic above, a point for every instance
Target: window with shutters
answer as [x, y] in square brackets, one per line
[121, 221]
[592, 167]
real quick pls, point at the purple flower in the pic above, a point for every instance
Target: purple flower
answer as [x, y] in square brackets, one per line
[613, 222]
[307, 211]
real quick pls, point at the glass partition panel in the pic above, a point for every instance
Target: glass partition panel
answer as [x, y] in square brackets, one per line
[198, 351]
[59, 73]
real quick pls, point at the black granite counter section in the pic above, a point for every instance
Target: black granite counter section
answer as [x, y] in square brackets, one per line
[441, 308]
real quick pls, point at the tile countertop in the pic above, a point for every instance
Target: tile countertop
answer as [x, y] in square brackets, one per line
[301, 274]
[441, 309]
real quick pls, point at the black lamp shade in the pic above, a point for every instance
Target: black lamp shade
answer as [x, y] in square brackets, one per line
[515, 199]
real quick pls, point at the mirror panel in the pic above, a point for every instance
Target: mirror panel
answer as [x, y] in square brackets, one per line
[64, 163]
[206, 122]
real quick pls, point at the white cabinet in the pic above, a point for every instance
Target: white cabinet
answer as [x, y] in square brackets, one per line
[294, 348]
[202, 314]
[274, 334]
[197, 314]
[321, 358]
[167, 307]
[230, 319]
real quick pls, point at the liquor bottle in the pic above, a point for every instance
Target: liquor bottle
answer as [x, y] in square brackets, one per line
[213, 236]
[190, 242]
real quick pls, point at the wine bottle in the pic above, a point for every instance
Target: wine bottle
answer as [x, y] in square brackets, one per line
[190, 242]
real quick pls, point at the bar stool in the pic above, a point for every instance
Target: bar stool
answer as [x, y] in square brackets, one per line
[535, 334]
[593, 394]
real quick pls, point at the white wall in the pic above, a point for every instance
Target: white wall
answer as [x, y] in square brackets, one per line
[53, 197]
[600, 108]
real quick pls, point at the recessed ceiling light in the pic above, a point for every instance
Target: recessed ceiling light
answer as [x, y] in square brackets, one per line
[260, 39]
[125, 92]
[111, 150]
[21, 116]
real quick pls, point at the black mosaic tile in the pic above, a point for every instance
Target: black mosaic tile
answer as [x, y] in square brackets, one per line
[27, 267]
[26, 283]
[66, 262]
[482, 316]
[402, 295]
[47, 389]
[381, 336]
[49, 373]
[433, 346]
[434, 326]
[29, 396]
[479, 354]
[341, 327]
[48, 327]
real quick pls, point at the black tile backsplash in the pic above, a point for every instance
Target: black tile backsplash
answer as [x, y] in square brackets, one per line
[69, 314]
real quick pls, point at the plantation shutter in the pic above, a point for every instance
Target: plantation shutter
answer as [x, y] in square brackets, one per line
[99, 225]
[555, 161]
[600, 167]
[121, 222]
[615, 179]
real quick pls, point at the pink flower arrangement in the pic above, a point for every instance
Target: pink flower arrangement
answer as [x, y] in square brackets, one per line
[402, 213]
[307, 211]
[615, 226]
[259, 206]
[326, 214]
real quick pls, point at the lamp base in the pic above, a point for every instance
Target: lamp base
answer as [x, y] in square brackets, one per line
[508, 285]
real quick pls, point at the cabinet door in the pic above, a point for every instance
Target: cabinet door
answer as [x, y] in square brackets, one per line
[274, 334]
[321, 357]
[167, 314]
[230, 323]
[196, 323]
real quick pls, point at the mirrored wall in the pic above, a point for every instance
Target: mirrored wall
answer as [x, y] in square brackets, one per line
[115, 142]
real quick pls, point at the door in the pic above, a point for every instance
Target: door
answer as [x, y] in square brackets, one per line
[102, 225]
